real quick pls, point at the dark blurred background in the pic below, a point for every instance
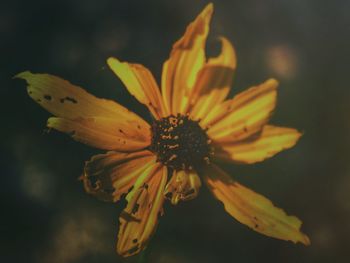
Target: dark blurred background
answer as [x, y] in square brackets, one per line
[45, 214]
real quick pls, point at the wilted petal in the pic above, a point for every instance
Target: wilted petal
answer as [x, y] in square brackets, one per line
[183, 185]
[252, 209]
[108, 176]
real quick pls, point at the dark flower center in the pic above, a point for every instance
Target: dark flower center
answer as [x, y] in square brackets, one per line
[180, 143]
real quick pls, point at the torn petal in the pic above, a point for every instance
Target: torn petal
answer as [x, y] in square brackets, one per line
[186, 59]
[252, 209]
[213, 82]
[183, 185]
[139, 219]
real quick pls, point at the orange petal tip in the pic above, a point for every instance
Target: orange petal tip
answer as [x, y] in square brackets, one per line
[272, 82]
[306, 241]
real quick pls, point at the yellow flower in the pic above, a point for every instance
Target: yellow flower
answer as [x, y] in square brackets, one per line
[193, 128]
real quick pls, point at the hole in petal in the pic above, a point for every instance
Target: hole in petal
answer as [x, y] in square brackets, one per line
[47, 97]
[70, 99]
[135, 208]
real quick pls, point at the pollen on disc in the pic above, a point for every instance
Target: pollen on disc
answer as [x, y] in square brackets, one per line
[180, 143]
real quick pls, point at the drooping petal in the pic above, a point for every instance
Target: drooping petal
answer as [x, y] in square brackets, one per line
[140, 82]
[104, 133]
[244, 115]
[108, 176]
[183, 185]
[271, 141]
[68, 101]
[214, 81]
[139, 219]
[186, 59]
[252, 209]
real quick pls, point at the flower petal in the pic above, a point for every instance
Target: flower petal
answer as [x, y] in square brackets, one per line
[183, 185]
[108, 176]
[186, 59]
[68, 101]
[140, 83]
[244, 115]
[214, 81]
[271, 141]
[252, 209]
[139, 219]
[104, 133]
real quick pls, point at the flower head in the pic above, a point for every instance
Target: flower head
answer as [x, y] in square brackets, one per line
[193, 127]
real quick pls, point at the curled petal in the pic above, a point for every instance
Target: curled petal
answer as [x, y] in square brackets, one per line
[140, 83]
[271, 141]
[139, 219]
[213, 82]
[252, 209]
[109, 176]
[244, 115]
[183, 185]
[186, 59]
[68, 101]
[104, 133]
